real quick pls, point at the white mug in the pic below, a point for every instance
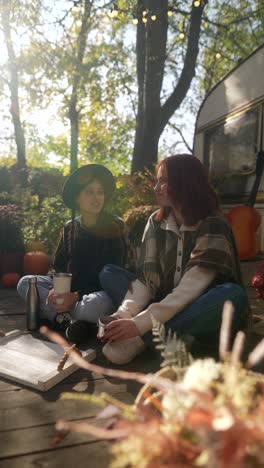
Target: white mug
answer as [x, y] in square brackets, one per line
[102, 324]
[61, 285]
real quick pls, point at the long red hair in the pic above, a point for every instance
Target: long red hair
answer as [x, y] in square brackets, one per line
[189, 186]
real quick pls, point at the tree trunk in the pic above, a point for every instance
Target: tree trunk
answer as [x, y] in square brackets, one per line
[77, 75]
[151, 50]
[74, 124]
[13, 86]
[152, 118]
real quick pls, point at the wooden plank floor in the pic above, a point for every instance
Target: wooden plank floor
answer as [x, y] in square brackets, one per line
[27, 417]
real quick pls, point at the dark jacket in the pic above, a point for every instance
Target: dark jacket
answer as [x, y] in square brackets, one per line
[85, 251]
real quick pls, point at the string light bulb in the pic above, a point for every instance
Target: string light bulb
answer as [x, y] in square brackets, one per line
[114, 11]
[75, 6]
[153, 16]
[144, 19]
[196, 3]
[182, 35]
[170, 11]
[144, 12]
[135, 20]
[218, 55]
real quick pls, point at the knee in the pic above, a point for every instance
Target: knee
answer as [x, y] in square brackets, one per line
[106, 275]
[99, 299]
[93, 306]
[22, 286]
[239, 296]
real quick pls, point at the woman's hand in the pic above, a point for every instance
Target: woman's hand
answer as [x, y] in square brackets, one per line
[68, 301]
[120, 330]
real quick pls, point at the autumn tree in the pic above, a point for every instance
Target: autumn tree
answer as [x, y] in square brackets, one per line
[118, 88]
[13, 83]
[198, 25]
[86, 74]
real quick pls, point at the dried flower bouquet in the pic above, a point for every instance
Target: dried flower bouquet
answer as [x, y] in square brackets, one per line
[191, 413]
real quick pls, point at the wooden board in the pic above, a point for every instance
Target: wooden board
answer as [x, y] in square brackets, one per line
[94, 454]
[34, 362]
[11, 303]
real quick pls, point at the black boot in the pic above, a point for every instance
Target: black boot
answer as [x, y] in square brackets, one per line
[62, 322]
[78, 332]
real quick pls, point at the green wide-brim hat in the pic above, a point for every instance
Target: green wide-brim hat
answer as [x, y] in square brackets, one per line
[83, 176]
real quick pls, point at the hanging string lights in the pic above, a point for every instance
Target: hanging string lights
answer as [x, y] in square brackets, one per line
[142, 14]
[170, 10]
[114, 11]
[145, 16]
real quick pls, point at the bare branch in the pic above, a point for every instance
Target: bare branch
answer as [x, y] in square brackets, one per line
[188, 71]
[177, 129]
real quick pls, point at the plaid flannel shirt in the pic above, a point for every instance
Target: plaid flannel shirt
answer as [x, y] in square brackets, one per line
[209, 244]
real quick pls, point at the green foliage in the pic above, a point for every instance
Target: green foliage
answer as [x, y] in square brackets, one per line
[11, 239]
[41, 211]
[5, 179]
[134, 191]
[135, 201]
[235, 30]
[43, 221]
[173, 350]
[45, 182]
[136, 220]
[47, 60]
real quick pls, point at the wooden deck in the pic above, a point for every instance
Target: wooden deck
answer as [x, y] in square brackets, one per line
[27, 417]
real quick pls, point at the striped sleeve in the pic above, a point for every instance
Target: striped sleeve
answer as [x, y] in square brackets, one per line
[149, 271]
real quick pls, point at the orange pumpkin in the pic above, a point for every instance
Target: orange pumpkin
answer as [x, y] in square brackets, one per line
[36, 263]
[245, 221]
[10, 280]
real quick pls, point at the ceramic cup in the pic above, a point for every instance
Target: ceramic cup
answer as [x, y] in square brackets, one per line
[102, 324]
[61, 284]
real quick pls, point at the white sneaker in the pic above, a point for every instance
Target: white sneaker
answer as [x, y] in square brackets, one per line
[122, 352]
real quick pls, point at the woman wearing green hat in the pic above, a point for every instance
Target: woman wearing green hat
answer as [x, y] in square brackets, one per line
[89, 242]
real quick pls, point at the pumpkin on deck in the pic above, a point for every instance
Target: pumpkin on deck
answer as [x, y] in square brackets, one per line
[36, 263]
[10, 280]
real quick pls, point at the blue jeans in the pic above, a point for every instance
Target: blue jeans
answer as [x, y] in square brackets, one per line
[115, 282]
[201, 319]
[90, 308]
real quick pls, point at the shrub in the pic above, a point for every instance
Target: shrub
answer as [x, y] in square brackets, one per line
[133, 191]
[11, 238]
[134, 201]
[136, 220]
[43, 221]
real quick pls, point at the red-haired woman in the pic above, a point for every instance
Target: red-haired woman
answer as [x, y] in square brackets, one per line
[188, 266]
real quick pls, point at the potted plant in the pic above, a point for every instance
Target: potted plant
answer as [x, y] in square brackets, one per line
[11, 240]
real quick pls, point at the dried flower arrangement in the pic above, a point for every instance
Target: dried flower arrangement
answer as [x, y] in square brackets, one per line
[191, 413]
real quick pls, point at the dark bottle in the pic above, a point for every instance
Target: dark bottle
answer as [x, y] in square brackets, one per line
[32, 304]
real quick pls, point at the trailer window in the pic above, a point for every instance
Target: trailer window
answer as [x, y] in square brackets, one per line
[230, 152]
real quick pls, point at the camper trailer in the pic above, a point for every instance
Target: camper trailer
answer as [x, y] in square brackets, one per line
[230, 133]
